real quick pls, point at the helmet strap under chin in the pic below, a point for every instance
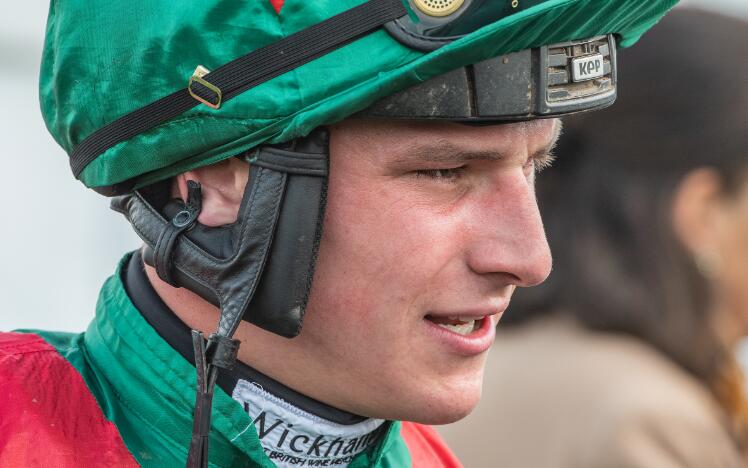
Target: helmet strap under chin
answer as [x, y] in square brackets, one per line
[258, 269]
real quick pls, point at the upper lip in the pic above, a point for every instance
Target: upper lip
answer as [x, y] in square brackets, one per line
[476, 313]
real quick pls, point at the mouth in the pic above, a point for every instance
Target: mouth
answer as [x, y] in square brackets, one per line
[460, 325]
[468, 334]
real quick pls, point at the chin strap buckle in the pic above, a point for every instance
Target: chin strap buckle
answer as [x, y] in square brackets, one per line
[222, 351]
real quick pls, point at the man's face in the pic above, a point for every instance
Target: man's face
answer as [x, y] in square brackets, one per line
[427, 225]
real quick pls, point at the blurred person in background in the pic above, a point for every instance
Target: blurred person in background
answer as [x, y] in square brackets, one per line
[625, 357]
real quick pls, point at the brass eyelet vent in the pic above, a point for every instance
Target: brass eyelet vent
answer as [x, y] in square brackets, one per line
[438, 7]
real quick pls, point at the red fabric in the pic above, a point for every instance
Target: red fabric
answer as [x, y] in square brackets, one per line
[277, 4]
[48, 417]
[427, 449]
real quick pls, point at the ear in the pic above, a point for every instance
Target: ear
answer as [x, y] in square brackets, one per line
[222, 186]
[696, 207]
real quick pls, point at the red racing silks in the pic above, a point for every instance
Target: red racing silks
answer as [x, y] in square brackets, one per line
[277, 4]
[48, 417]
[426, 447]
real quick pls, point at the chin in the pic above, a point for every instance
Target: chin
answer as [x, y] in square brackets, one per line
[438, 418]
[443, 404]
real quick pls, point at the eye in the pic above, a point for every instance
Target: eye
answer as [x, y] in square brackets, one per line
[448, 175]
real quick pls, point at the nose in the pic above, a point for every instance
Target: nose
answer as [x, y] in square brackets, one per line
[507, 236]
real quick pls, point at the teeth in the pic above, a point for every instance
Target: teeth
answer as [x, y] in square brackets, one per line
[465, 317]
[462, 329]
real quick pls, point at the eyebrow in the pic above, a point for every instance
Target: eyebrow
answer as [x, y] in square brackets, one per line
[443, 151]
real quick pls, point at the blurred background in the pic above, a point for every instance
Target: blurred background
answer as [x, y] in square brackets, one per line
[59, 240]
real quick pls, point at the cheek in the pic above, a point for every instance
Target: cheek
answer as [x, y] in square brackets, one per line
[378, 243]
[379, 256]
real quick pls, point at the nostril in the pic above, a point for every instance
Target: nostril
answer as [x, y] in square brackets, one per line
[519, 264]
[538, 267]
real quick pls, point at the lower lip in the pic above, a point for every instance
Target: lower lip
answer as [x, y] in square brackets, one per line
[476, 342]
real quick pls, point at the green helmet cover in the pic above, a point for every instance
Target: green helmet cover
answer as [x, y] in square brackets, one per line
[104, 60]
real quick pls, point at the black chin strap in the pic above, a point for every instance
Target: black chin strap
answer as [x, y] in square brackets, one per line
[185, 219]
[263, 263]
[220, 353]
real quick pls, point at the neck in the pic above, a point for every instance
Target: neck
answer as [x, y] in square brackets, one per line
[294, 430]
[195, 312]
[284, 360]
[198, 314]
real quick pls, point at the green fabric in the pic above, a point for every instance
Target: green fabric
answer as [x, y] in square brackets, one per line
[103, 60]
[147, 389]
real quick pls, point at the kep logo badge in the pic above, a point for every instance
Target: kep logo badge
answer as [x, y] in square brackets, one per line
[587, 68]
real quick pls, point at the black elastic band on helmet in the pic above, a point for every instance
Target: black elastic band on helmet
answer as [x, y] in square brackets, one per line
[241, 74]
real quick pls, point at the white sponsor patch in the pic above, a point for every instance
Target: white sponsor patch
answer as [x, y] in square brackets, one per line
[587, 68]
[292, 437]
